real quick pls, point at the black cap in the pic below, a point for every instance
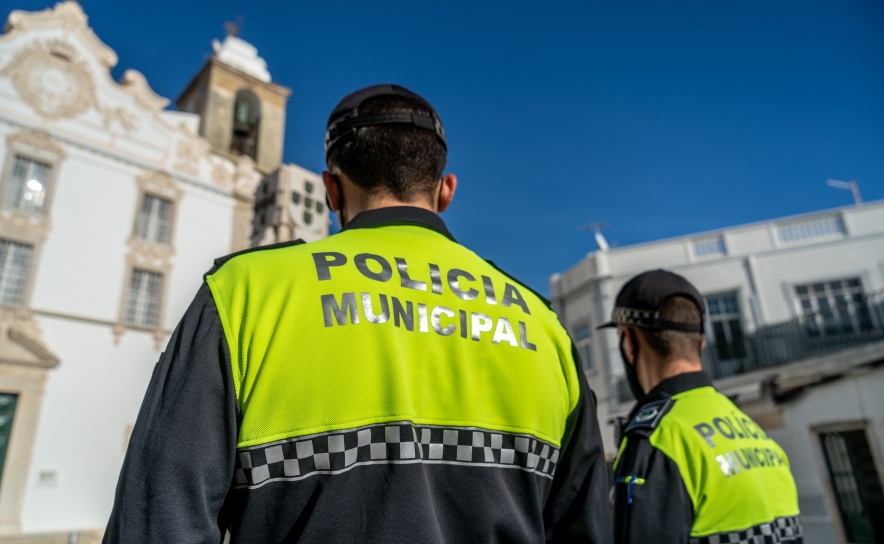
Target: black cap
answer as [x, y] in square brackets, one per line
[639, 301]
[345, 119]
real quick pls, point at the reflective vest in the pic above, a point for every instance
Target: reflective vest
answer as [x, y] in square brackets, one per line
[737, 478]
[393, 344]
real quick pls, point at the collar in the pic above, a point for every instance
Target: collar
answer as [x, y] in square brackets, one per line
[673, 386]
[399, 215]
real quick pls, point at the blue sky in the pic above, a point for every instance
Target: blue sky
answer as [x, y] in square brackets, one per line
[659, 118]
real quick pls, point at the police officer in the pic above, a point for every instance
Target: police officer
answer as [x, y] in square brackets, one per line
[691, 466]
[382, 385]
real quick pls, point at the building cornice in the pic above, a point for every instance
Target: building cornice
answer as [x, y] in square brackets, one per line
[711, 262]
[747, 226]
[113, 154]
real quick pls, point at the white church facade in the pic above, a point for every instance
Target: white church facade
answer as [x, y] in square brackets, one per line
[112, 207]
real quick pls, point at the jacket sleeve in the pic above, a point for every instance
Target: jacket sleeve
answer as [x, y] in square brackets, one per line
[179, 463]
[578, 509]
[651, 502]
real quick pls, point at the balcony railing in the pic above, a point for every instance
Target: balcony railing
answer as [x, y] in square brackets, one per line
[857, 321]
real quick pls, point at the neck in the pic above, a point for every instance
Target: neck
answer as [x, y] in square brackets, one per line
[651, 374]
[356, 204]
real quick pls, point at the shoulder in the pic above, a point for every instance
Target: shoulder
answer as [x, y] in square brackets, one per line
[649, 418]
[673, 416]
[221, 261]
[677, 429]
[520, 284]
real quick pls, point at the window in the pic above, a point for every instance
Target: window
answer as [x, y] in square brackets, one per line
[725, 326]
[15, 262]
[155, 219]
[27, 185]
[583, 341]
[145, 290]
[855, 483]
[582, 332]
[7, 414]
[308, 186]
[710, 247]
[585, 351]
[834, 307]
[812, 229]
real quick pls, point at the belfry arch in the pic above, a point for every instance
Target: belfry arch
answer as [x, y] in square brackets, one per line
[246, 124]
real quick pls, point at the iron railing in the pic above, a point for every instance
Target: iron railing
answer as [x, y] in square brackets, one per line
[852, 322]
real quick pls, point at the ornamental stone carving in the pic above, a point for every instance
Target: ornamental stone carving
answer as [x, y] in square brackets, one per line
[247, 178]
[37, 140]
[222, 175]
[189, 153]
[19, 326]
[51, 79]
[121, 117]
[134, 83]
[33, 227]
[150, 255]
[160, 184]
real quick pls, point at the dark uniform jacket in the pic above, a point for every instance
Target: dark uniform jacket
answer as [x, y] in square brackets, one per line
[381, 385]
[692, 468]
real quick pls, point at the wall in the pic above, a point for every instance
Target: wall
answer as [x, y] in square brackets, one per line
[83, 424]
[852, 399]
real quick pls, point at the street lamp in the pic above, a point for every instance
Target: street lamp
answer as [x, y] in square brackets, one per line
[849, 185]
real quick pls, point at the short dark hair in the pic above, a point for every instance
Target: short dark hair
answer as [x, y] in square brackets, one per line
[404, 161]
[676, 344]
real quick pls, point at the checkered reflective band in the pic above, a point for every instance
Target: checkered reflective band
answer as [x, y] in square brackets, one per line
[391, 443]
[630, 316]
[779, 531]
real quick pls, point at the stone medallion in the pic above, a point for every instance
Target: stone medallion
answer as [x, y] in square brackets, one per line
[51, 79]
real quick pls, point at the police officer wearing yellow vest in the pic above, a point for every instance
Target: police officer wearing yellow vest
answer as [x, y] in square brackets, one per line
[692, 468]
[385, 384]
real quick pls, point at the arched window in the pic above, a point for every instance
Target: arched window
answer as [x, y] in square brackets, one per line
[246, 119]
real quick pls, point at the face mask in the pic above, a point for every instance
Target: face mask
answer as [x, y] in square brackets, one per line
[631, 374]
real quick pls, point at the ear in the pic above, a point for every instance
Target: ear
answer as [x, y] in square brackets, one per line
[446, 193]
[333, 190]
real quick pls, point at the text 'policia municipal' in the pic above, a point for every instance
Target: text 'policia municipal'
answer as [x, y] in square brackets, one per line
[344, 309]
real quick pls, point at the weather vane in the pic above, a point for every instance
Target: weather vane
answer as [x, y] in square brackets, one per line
[599, 237]
[234, 28]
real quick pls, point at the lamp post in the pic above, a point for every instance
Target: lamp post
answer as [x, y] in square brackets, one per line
[848, 185]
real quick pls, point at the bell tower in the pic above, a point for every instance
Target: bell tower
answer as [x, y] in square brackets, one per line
[242, 112]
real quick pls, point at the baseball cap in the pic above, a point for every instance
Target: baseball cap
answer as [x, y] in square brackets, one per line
[639, 301]
[345, 119]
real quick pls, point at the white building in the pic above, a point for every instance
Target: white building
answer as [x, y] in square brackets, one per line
[111, 209]
[795, 336]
